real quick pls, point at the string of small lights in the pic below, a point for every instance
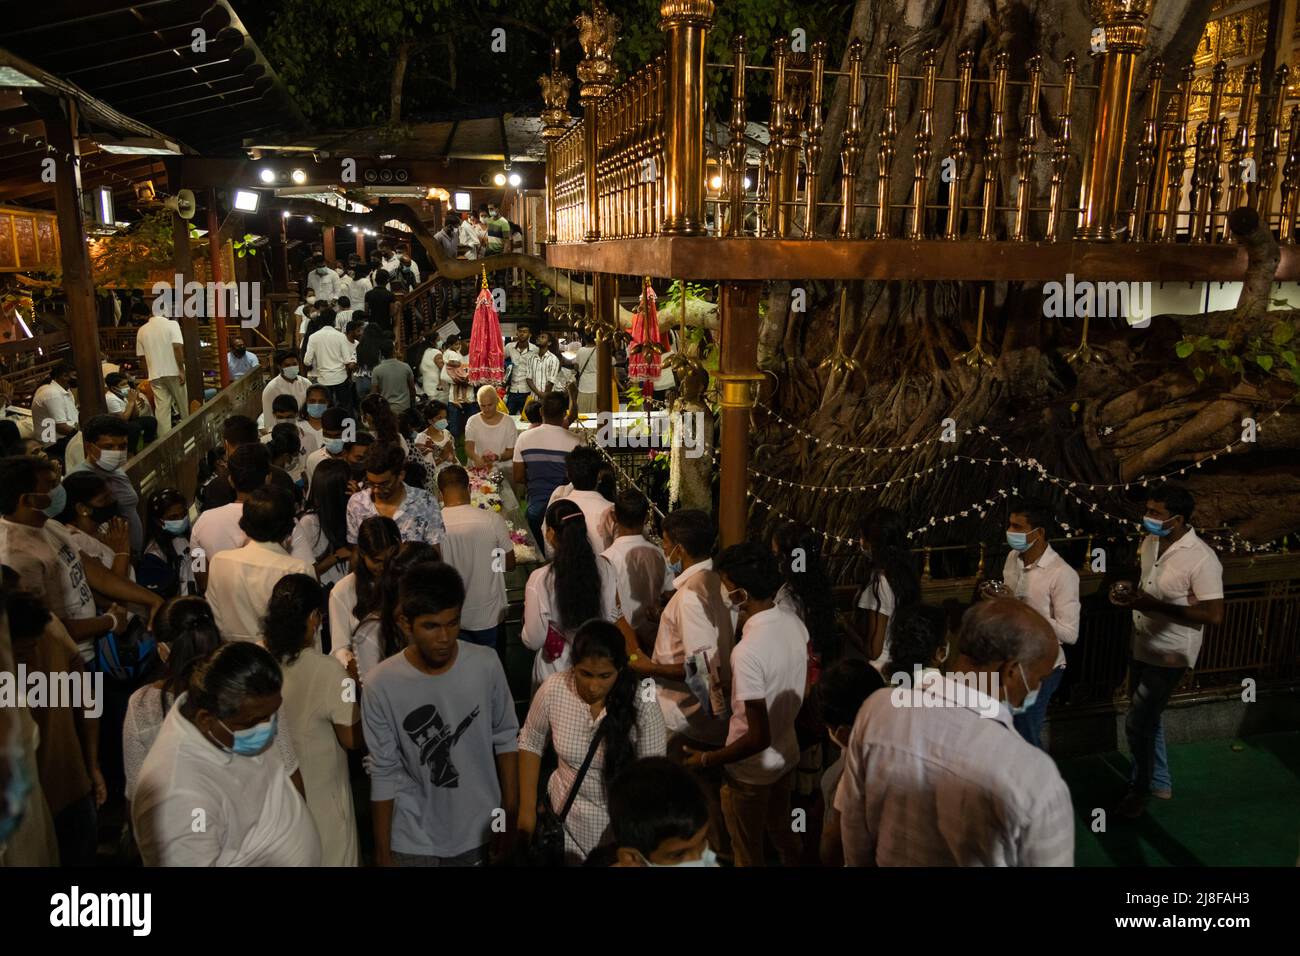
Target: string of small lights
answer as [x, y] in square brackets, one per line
[85, 166]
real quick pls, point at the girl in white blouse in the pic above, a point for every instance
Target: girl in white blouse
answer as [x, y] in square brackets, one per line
[320, 537]
[600, 690]
[575, 587]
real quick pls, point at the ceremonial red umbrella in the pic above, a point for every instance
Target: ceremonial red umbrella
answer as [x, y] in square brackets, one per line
[487, 354]
[643, 361]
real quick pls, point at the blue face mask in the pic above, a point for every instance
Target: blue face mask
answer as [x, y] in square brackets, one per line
[1018, 540]
[441, 425]
[316, 409]
[177, 526]
[1156, 526]
[1030, 698]
[58, 501]
[334, 446]
[675, 567]
[254, 740]
[290, 373]
[707, 858]
[13, 802]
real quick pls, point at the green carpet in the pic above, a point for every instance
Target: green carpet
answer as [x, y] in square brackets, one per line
[1231, 807]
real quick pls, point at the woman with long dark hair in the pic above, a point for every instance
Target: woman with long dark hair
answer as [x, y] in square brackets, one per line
[379, 636]
[806, 591]
[599, 694]
[322, 720]
[381, 421]
[357, 594]
[321, 535]
[891, 582]
[576, 587]
[167, 544]
[187, 634]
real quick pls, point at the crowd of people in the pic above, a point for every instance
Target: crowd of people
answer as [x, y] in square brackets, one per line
[303, 662]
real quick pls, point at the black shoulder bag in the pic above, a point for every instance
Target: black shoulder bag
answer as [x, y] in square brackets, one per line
[547, 846]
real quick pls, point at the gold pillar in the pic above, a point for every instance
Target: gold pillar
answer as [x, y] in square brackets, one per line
[993, 145]
[775, 157]
[597, 32]
[813, 141]
[1124, 23]
[1139, 218]
[687, 24]
[736, 146]
[959, 142]
[851, 149]
[555, 120]
[923, 142]
[888, 135]
[1028, 149]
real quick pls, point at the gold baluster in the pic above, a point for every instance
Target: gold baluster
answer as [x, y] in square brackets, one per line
[851, 151]
[925, 568]
[888, 134]
[976, 356]
[1239, 192]
[1272, 146]
[1087, 556]
[979, 571]
[1290, 181]
[922, 142]
[813, 141]
[1178, 156]
[959, 143]
[993, 144]
[776, 130]
[1061, 152]
[1215, 163]
[1207, 151]
[1138, 222]
[1028, 147]
[736, 148]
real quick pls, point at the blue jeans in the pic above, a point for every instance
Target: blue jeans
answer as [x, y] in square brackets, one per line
[486, 637]
[515, 401]
[1150, 688]
[535, 514]
[1030, 723]
[1160, 779]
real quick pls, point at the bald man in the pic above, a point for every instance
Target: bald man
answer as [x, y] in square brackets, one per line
[939, 776]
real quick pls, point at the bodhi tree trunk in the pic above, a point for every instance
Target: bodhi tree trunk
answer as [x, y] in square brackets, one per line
[1136, 410]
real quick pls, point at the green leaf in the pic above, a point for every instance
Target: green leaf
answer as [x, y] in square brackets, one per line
[1289, 358]
[1199, 373]
[1265, 362]
[1222, 344]
[1184, 348]
[1283, 333]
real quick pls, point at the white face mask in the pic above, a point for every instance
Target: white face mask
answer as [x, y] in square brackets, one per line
[707, 858]
[112, 460]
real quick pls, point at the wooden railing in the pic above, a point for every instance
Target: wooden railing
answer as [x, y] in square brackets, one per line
[174, 460]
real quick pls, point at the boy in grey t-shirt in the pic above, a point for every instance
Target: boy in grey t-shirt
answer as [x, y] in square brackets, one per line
[443, 736]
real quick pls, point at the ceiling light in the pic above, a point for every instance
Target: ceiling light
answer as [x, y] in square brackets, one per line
[247, 200]
[299, 177]
[310, 219]
[499, 179]
[139, 146]
[715, 182]
[266, 175]
[515, 179]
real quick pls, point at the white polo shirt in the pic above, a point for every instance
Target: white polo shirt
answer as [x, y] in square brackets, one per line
[251, 813]
[597, 513]
[641, 574]
[52, 402]
[278, 386]
[328, 352]
[1189, 572]
[240, 582]
[154, 341]
[218, 530]
[473, 534]
[695, 620]
[1050, 587]
[769, 663]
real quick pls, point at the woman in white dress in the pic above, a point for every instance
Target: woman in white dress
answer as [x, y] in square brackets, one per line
[577, 586]
[891, 582]
[320, 711]
[321, 535]
[356, 596]
[490, 435]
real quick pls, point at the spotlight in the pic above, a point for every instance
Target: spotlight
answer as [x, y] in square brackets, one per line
[310, 219]
[356, 231]
[246, 200]
[285, 214]
[299, 177]
[715, 182]
[515, 179]
[747, 182]
[267, 175]
[499, 179]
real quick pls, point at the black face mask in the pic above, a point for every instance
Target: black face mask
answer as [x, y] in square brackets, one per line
[239, 353]
[103, 513]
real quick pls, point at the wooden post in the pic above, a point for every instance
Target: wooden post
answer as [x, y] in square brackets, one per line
[59, 119]
[361, 245]
[327, 242]
[606, 302]
[738, 372]
[214, 255]
[280, 255]
[183, 265]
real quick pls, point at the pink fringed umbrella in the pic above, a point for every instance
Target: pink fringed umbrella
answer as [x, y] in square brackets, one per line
[487, 355]
[643, 361]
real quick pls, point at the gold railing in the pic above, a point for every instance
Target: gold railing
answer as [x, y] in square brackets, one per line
[1206, 145]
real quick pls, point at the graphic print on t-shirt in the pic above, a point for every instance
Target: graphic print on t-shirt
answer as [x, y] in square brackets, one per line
[435, 738]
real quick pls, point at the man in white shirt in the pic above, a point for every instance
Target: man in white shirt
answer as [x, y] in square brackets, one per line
[160, 342]
[477, 544]
[240, 581]
[471, 237]
[344, 314]
[124, 400]
[769, 669]
[519, 359]
[218, 529]
[329, 355]
[288, 382]
[937, 776]
[583, 466]
[639, 566]
[54, 412]
[544, 370]
[1040, 577]
[1180, 592]
[323, 280]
